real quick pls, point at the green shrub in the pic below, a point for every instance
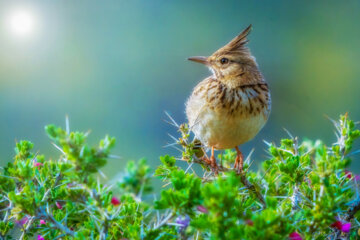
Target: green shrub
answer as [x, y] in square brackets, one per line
[302, 191]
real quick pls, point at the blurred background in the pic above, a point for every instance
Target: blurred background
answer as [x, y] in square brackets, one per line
[115, 66]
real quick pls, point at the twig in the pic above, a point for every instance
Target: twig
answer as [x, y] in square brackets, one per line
[104, 231]
[252, 188]
[58, 225]
[28, 225]
[8, 211]
[295, 198]
[352, 211]
[243, 178]
[49, 216]
[219, 168]
[164, 221]
[348, 217]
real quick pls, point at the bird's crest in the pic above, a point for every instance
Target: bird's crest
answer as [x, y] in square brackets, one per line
[238, 43]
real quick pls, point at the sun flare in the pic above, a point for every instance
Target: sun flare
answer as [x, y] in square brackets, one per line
[21, 22]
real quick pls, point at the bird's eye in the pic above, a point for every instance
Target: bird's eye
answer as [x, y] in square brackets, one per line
[224, 60]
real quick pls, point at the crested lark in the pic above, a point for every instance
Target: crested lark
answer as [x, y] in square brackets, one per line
[229, 107]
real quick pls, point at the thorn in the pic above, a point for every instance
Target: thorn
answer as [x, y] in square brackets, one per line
[102, 174]
[170, 145]
[330, 119]
[353, 153]
[176, 140]
[166, 184]
[288, 133]
[189, 167]
[176, 148]
[250, 165]
[284, 150]
[247, 160]
[87, 133]
[67, 124]
[267, 143]
[114, 156]
[170, 123]
[174, 123]
[58, 148]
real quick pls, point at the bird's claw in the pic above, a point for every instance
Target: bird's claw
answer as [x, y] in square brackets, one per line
[211, 162]
[214, 165]
[239, 161]
[237, 166]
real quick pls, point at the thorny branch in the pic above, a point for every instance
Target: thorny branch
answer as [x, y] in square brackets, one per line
[183, 141]
[164, 221]
[26, 229]
[353, 210]
[58, 225]
[105, 223]
[243, 178]
[348, 217]
[50, 217]
[7, 214]
[252, 187]
[104, 220]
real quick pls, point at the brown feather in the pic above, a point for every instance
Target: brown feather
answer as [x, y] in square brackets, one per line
[239, 41]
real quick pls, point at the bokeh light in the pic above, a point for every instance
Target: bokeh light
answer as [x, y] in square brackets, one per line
[21, 22]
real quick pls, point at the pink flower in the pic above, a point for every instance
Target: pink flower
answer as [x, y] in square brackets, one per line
[37, 164]
[58, 205]
[115, 201]
[42, 221]
[202, 209]
[348, 174]
[295, 236]
[337, 225]
[22, 221]
[39, 237]
[249, 222]
[345, 227]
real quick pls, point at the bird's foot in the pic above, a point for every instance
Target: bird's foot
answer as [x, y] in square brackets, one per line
[239, 161]
[211, 162]
[214, 165]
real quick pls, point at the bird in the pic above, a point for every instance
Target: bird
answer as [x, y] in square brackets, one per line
[232, 105]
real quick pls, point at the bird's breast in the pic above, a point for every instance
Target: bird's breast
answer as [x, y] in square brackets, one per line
[225, 117]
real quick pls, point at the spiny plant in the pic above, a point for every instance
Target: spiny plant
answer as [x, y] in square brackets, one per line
[303, 190]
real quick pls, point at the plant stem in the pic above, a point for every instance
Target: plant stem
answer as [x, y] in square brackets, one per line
[251, 187]
[164, 221]
[57, 224]
[28, 225]
[243, 178]
[353, 210]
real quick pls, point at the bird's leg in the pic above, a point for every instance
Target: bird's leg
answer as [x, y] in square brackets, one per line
[212, 158]
[211, 161]
[239, 161]
[214, 166]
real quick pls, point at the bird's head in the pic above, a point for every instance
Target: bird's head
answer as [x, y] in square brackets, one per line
[233, 64]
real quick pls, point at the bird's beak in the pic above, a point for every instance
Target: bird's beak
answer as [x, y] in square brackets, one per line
[203, 60]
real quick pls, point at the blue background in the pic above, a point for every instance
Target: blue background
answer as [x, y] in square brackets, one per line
[115, 66]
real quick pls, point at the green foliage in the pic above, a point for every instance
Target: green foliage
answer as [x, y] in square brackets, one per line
[137, 178]
[302, 189]
[183, 196]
